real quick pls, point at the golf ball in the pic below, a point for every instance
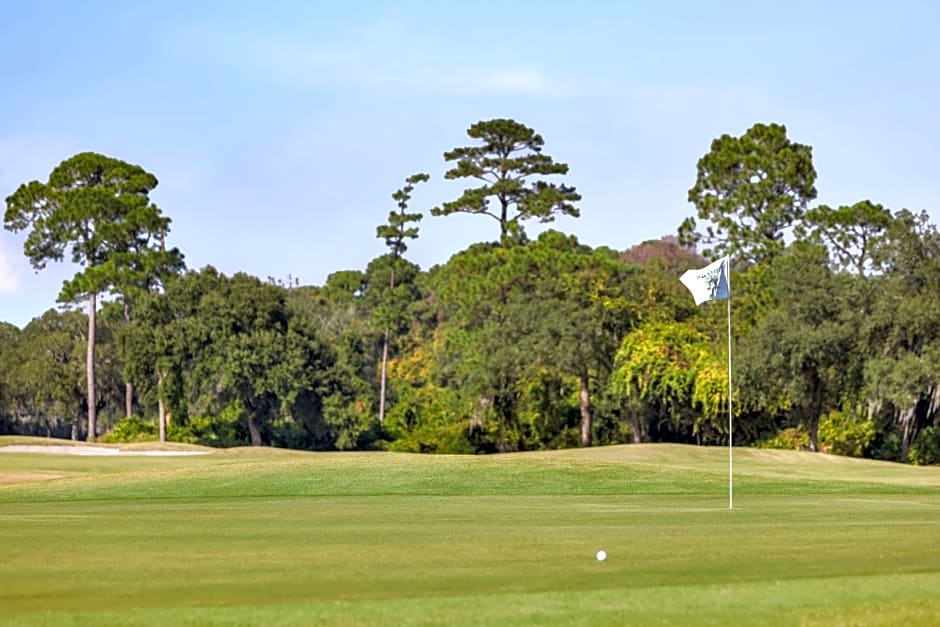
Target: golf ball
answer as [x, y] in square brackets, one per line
[601, 556]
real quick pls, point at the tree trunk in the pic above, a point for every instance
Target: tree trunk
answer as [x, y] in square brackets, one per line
[906, 418]
[382, 385]
[253, 431]
[812, 421]
[632, 410]
[161, 407]
[635, 435]
[90, 368]
[74, 429]
[391, 286]
[161, 419]
[128, 386]
[128, 399]
[585, 409]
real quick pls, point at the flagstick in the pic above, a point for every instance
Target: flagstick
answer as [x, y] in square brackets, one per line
[730, 425]
[705, 285]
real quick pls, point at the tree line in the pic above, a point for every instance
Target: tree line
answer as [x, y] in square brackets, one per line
[514, 344]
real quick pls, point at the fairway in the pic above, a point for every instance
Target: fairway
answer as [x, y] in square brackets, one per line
[264, 536]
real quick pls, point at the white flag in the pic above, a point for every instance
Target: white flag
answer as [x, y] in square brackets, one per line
[709, 283]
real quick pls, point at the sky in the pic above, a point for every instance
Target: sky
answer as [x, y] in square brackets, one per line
[278, 131]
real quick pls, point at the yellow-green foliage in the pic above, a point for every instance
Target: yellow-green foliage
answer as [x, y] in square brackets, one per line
[843, 434]
[425, 418]
[676, 365]
[710, 391]
[792, 438]
[132, 429]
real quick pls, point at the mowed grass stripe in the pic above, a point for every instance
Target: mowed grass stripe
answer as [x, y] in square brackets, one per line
[874, 601]
[643, 534]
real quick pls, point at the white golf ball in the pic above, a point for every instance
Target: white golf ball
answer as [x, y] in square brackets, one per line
[601, 556]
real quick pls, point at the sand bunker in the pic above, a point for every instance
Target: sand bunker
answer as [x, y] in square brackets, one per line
[54, 449]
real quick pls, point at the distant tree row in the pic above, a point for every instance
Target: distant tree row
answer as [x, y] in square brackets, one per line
[514, 344]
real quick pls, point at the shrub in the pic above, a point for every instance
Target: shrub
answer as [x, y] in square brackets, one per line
[427, 420]
[886, 447]
[434, 438]
[925, 449]
[792, 438]
[223, 430]
[844, 434]
[132, 429]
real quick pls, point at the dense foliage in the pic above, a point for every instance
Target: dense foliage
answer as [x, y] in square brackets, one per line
[515, 344]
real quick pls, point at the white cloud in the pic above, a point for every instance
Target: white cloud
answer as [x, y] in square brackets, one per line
[383, 55]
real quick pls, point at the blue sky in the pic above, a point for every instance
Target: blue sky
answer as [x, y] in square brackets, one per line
[279, 130]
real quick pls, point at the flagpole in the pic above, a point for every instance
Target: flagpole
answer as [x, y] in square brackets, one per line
[730, 424]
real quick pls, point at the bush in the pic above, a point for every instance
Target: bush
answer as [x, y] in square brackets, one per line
[426, 421]
[844, 434]
[925, 450]
[886, 447]
[132, 429]
[566, 438]
[793, 439]
[223, 430]
[443, 438]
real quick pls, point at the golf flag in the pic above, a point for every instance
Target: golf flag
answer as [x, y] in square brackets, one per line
[713, 282]
[709, 283]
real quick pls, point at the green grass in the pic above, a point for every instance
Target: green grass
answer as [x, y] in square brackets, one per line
[276, 537]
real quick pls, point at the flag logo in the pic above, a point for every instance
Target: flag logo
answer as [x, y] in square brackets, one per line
[709, 283]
